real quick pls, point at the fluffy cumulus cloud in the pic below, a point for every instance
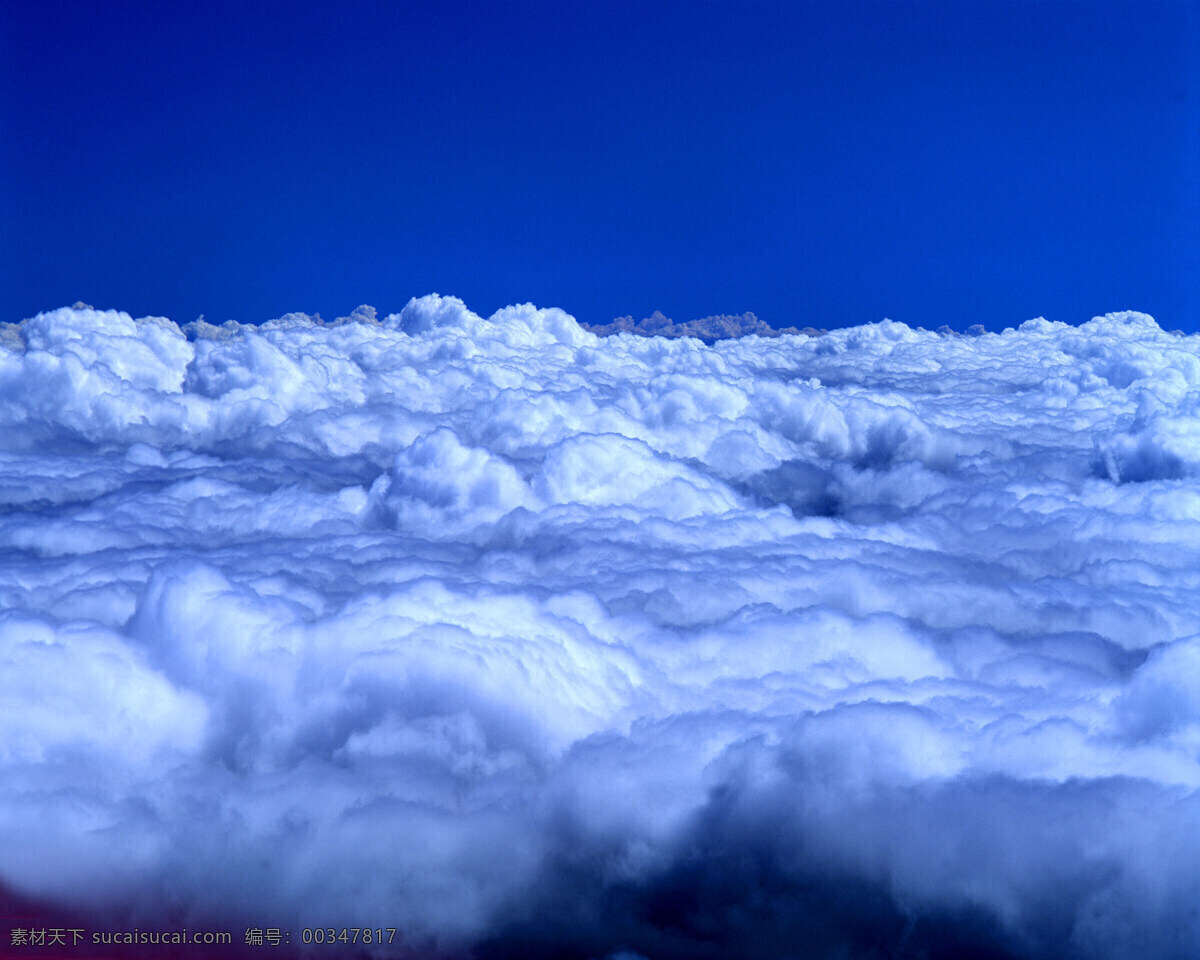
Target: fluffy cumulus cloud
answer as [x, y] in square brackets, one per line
[526, 641]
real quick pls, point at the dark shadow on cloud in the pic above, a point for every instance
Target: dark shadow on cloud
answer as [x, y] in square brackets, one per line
[739, 889]
[754, 879]
[809, 490]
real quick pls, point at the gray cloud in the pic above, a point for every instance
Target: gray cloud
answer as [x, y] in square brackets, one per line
[708, 329]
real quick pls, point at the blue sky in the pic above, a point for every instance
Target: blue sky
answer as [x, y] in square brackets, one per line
[824, 164]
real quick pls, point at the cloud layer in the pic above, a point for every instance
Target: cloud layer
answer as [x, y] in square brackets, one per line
[531, 642]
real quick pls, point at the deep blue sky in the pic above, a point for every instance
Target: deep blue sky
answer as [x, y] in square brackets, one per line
[816, 163]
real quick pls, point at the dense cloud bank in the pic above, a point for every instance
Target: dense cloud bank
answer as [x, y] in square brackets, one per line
[529, 642]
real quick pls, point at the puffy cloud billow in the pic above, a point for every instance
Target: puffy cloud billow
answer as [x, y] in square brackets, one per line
[530, 642]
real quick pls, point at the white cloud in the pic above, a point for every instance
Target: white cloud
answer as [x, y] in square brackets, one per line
[524, 639]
